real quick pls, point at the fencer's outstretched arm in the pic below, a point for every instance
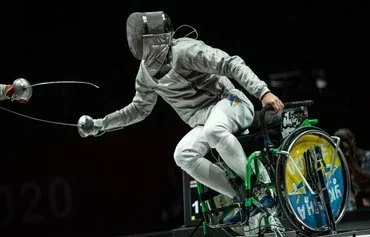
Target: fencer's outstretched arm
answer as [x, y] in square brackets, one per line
[140, 107]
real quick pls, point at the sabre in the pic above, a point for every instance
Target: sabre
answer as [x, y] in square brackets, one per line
[62, 82]
[23, 91]
[37, 119]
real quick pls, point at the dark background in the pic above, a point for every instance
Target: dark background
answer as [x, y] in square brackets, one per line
[126, 182]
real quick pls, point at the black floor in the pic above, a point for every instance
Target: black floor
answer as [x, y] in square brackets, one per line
[353, 224]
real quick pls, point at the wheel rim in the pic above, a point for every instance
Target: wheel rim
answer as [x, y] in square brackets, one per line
[301, 202]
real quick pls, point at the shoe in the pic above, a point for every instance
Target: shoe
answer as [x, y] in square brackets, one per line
[242, 215]
[264, 197]
[267, 201]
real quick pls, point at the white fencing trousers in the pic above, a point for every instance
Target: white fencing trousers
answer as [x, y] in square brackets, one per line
[227, 117]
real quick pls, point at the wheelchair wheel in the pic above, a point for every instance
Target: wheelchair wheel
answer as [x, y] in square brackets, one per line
[302, 208]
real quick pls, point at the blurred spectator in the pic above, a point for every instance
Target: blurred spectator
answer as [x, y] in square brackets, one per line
[358, 160]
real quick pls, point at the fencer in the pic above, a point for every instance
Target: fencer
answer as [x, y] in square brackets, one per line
[195, 79]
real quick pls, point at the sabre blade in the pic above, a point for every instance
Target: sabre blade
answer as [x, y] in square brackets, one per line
[37, 119]
[63, 82]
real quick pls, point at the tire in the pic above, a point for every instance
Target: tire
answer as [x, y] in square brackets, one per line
[299, 205]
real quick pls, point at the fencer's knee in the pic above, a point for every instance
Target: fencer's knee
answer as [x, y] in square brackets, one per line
[183, 158]
[215, 134]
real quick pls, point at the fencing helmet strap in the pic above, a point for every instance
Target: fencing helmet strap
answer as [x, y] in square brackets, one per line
[139, 24]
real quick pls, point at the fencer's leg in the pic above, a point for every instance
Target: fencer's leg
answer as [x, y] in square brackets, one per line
[227, 117]
[189, 155]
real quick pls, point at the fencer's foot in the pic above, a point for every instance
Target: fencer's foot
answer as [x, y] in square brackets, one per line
[267, 201]
[242, 215]
[239, 216]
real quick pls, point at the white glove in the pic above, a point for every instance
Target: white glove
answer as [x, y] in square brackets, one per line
[88, 126]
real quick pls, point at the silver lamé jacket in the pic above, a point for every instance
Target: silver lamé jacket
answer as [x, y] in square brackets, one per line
[199, 77]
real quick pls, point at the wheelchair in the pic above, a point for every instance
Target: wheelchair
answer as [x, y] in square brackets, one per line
[298, 163]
